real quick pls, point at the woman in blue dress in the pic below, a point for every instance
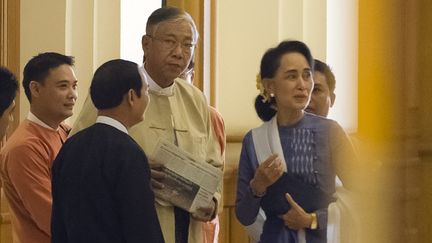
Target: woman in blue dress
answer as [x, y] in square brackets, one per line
[289, 164]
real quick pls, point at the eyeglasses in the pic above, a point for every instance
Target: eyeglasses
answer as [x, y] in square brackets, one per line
[170, 44]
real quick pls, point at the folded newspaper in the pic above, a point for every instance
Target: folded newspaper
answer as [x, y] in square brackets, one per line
[189, 183]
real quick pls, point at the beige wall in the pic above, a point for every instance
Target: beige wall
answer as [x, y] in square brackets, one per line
[90, 31]
[243, 34]
[42, 29]
[87, 30]
[245, 29]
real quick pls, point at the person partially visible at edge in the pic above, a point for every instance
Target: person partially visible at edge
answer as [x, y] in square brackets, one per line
[343, 222]
[50, 85]
[8, 89]
[101, 178]
[210, 229]
[301, 147]
[323, 95]
[178, 113]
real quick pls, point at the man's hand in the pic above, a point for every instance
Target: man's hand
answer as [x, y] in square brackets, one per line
[205, 213]
[267, 173]
[157, 176]
[296, 218]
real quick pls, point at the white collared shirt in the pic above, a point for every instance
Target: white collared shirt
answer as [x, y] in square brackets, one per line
[154, 87]
[111, 122]
[31, 117]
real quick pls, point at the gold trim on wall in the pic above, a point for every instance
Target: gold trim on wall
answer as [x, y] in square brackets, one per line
[3, 32]
[9, 44]
[213, 47]
[10, 58]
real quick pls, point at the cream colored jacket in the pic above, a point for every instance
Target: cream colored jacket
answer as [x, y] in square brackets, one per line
[192, 122]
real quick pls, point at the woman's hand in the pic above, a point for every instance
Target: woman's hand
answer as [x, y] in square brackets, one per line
[267, 173]
[296, 218]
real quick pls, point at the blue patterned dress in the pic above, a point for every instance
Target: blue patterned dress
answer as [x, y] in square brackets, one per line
[315, 151]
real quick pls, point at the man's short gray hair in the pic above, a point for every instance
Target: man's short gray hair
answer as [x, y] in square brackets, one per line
[169, 14]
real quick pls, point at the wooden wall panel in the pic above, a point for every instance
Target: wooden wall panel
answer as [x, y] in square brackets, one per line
[231, 229]
[424, 121]
[9, 43]
[9, 57]
[394, 80]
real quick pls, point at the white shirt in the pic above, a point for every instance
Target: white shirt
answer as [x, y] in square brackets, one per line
[111, 122]
[31, 117]
[154, 87]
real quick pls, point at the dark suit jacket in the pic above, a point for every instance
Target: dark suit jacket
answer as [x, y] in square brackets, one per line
[101, 190]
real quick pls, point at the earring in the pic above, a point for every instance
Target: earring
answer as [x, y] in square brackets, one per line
[271, 95]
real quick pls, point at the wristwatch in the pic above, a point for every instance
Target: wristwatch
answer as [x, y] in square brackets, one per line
[314, 223]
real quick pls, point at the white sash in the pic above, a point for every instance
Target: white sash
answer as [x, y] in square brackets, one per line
[267, 142]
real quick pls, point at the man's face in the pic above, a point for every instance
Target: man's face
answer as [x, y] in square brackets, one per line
[56, 95]
[321, 98]
[144, 100]
[6, 119]
[167, 52]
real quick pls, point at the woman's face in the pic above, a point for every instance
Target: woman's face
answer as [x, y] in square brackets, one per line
[293, 83]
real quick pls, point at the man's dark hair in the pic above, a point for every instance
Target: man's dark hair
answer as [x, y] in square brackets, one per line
[8, 88]
[326, 70]
[39, 67]
[112, 81]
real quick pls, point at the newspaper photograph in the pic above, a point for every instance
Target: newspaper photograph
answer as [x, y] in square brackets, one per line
[188, 183]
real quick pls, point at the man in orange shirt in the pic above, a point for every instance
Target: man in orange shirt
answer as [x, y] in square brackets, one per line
[323, 94]
[8, 88]
[50, 85]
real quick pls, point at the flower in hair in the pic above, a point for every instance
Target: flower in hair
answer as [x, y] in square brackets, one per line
[260, 87]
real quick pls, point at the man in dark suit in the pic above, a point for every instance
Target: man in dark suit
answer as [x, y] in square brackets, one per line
[101, 177]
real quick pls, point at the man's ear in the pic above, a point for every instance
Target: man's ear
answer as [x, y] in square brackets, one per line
[145, 41]
[130, 97]
[332, 99]
[34, 88]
